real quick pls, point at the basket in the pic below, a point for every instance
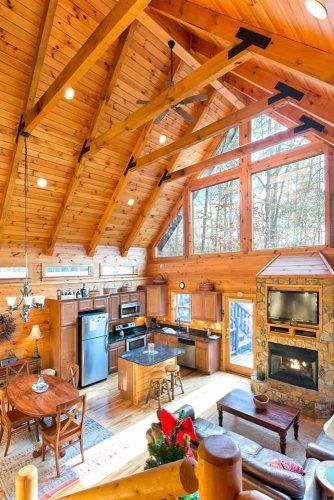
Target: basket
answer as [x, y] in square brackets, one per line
[205, 286]
[126, 288]
[159, 280]
[109, 290]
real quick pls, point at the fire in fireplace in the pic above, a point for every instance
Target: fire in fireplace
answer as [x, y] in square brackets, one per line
[293, 365]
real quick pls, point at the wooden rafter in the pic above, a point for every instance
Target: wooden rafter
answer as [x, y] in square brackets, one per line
[158, 188]
[297, 56]
[200, 77]
[123, 182]
[41, 44]
[112, 26]
[109, 84]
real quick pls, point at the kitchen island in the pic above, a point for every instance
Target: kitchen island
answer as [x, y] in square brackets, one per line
[135, 368]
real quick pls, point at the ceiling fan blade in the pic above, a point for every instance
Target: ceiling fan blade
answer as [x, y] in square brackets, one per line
[160, 117]
[141, 101]
[194, 98]
[185, 115]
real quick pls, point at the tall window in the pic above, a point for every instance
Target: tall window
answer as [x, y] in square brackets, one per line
[216, 218]
[289, 205]
[183, 307]
[230, 141]
[263, 126]
[171, 244]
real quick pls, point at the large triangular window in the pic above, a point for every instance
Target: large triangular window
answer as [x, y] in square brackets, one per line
[264, 126]
[171, 244]
[230, 141]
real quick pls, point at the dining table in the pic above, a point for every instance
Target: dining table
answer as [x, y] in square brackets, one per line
[39, 405]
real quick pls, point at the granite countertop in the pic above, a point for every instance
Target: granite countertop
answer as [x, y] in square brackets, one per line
[141, 357]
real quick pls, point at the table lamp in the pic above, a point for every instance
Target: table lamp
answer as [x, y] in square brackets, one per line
[36, 335]
[329, 427]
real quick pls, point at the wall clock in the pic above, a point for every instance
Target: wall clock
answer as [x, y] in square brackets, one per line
[182, 285]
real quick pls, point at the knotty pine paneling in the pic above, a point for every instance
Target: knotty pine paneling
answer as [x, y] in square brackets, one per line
[67, 255]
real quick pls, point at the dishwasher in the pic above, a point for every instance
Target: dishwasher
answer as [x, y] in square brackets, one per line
[187, 359]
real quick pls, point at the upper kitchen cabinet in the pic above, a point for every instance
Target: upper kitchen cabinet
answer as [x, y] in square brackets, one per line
[113, 309]
[156, 300]
[206, 306]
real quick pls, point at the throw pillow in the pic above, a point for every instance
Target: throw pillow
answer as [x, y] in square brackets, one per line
[287, 465]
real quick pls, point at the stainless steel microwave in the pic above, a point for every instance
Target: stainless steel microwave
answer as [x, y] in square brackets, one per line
[129, 310]
[135, 342]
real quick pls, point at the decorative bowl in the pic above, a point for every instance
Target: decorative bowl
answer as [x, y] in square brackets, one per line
[40, 387]
[261, 401]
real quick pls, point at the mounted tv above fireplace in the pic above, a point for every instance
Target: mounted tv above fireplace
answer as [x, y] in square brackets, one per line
[293, 307]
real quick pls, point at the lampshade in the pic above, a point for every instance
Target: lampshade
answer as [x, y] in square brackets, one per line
[35, 333]
[329, 427]
[10, 301]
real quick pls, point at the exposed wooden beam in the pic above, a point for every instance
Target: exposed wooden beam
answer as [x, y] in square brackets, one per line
[119, 18]
[200, 77]
[295, 55]
[240, 152]
[212, 130]
[41, 44]
[157, 190]
[163, 29]
[113, 74]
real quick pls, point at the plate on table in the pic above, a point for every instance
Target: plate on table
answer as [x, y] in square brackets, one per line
[40, 388]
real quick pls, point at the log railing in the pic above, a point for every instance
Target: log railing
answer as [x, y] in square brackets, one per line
[217, 475]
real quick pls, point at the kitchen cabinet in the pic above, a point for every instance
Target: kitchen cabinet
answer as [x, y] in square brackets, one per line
[115, 350]
[85, 305]
[163, 338]
[68, 347]
[142, 301]
[206, 306]
[101, 303]
[156, 300]
[113, 309]
[68, 313]
[207, 356]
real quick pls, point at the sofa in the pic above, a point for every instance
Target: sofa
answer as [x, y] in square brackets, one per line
[322, 449]
[257, 475]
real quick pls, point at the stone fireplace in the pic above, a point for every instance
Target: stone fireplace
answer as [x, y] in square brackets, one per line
[298, 371]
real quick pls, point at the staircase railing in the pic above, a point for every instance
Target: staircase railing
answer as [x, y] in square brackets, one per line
[241, 321]
[217, 476]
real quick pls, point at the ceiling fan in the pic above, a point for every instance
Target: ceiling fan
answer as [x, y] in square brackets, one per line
[176, 107]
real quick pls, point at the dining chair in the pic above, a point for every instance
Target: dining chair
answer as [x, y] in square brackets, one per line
[72, 374]
[68, 428]
[13, 421]
[17, 368]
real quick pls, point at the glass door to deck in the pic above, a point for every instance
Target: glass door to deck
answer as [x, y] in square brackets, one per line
[239, 336]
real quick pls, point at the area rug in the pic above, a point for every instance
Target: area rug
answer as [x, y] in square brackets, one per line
[71, 468]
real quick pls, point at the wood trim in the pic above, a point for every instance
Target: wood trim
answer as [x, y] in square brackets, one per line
[41, 44]
[297, 56]
[119, 18]
[168, 220]
[330, 185]
[245, 194]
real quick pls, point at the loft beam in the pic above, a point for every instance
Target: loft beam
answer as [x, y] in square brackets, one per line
[299, 57]
[109, 84]
[112, 26]
[138, 224]
[41, 44]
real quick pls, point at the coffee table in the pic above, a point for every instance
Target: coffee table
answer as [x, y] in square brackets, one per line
[277, 417]
[327, 487]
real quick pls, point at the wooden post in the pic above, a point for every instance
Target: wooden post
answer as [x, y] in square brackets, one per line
[219, 468]
[26, 483]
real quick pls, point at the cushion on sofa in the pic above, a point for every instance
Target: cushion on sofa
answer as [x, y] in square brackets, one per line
[247, 446]
[204, 428]
[287, 465]
[322, 448]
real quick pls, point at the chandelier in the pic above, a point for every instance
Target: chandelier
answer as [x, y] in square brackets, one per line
[26, 301]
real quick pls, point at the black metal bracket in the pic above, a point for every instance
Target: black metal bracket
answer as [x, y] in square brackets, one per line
[307, 124]
[165, 176]
[85, 149]
[285, 91]
[132, 163]
[20, 129]
[248, 38]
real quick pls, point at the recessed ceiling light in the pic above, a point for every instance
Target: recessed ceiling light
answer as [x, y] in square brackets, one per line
[69, 93]
[162, 139]
[131, 202]
[316, 9]
[42, 183]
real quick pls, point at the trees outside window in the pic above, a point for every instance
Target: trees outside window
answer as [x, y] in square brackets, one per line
[216, 218]
[230, 141]
[289, 205]
[183, 307]
[264, 126]
[171, 244]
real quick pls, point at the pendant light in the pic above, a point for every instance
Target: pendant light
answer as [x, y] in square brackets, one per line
[26, 301]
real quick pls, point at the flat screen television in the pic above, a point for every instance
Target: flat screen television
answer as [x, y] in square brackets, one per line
[293, 307]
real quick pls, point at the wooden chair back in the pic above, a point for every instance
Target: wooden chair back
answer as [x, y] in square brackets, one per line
[17, 368]
[70, 419]
[72, 374]
[4, 419]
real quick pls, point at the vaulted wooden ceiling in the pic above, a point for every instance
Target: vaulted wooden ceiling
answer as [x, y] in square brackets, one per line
[43, 49]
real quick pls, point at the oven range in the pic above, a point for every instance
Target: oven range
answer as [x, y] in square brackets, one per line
[131, 334]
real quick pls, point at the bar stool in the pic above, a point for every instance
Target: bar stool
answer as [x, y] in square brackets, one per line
[159, 385]
[175, 378]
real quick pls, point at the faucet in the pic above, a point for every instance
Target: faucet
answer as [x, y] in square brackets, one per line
[178, 322]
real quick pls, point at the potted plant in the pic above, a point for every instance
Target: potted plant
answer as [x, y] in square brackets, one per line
[173, 444]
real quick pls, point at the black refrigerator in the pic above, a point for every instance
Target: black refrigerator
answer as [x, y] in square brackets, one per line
[93, 347]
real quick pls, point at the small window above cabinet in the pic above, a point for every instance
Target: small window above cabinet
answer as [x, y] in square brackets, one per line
[206, 306]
